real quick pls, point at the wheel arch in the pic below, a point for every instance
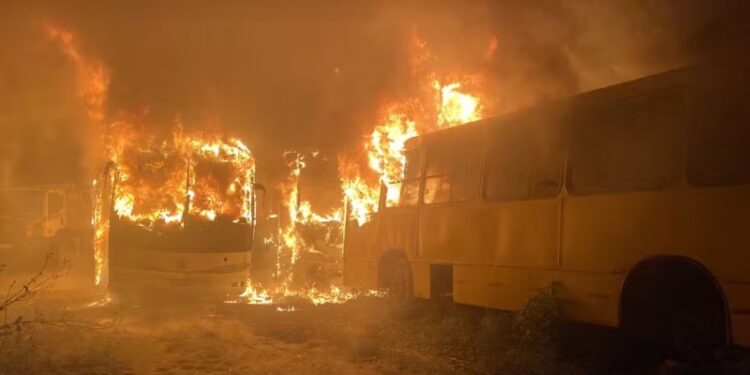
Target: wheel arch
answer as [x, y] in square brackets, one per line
[667, 261]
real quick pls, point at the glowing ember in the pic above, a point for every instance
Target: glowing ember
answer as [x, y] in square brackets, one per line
[256, 295]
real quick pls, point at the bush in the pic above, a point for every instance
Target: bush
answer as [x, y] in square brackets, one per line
[538, 322]
[536, 335]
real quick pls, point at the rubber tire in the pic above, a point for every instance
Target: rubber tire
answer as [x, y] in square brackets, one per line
[398, 282]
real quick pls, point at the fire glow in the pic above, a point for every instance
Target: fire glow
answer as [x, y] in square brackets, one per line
[156, 179]
[167, 180]
[291, 247]
[445, 107]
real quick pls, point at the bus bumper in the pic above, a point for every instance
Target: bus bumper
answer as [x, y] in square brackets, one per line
[188, 286]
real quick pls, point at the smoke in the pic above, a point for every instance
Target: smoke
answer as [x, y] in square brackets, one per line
[301, 75]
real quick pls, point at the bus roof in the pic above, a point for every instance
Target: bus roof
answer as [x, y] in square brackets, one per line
[608, 94]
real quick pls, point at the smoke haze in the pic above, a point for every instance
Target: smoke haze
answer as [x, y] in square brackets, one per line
[307, 75]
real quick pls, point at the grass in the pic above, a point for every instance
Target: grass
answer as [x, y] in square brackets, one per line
[476, 340]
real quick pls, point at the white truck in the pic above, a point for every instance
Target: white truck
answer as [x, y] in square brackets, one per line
[47, 222]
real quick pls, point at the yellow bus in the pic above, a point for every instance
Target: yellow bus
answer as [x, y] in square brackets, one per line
[634, 199]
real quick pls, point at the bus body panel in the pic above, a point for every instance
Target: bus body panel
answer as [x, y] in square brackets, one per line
[396, 231]
[504, 252]
[707, 225]
[612, 232]
[494, 233]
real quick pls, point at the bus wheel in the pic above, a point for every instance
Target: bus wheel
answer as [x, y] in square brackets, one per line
[397, 280]
[672, 308]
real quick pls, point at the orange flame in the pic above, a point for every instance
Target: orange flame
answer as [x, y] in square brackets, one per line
[386, 145]
[166, 180]
[454, 107]
[158, 179]
[92, 76]
[292, 247]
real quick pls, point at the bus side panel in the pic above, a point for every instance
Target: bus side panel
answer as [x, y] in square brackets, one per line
[607, 235]
[738, 298]
[359, 271]
[503, 253]
[612, 233]
[396, 231]
[392, 230]
[517, 234]
[707, 225]
[420, 272]
[588, 297]
[718, 229]
[502, 288]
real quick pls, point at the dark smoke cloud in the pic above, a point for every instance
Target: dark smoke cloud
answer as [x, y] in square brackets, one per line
[304, 74]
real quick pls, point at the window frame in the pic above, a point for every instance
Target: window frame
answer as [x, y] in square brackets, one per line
[587, 112]
[562, 165]
[383, 194]
[476, 132]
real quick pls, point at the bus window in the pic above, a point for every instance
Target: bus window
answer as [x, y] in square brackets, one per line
[405, 192]
[719, 138]
[524, 161]
[631, 146]
[452, 168]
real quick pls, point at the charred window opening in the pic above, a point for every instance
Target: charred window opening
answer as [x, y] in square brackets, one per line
[407, 189]
[524, 160]
[634, 145]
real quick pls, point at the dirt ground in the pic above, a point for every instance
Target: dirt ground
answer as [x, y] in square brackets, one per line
[364, 336]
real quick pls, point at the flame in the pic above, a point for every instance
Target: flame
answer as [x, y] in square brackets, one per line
[185, 175]
[454, 107]
[256, 295]
[158, 179]
[386, 150]
[385, 147]
[100, 224]
[92, 81]
[360, 197]
[92, 76]
[292, 246]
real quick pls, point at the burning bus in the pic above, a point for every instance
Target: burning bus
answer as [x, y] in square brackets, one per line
[631, 200]
[175, 212]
